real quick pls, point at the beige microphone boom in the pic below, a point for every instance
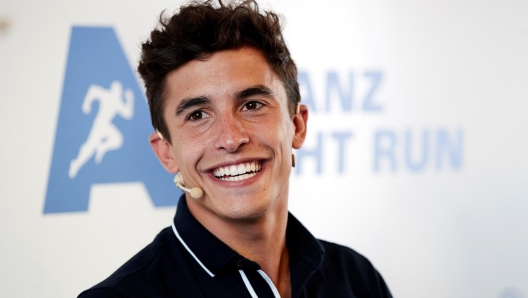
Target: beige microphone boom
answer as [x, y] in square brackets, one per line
[195, 192]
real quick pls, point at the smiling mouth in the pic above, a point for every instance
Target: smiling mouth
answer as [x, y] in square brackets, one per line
[238, 172]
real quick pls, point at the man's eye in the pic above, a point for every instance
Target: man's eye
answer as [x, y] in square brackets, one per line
[197, 115]
[252, 105]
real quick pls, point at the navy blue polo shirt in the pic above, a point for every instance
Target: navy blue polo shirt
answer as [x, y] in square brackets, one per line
[186, 260]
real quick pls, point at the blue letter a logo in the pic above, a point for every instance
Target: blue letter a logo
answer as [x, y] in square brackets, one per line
[103, 129]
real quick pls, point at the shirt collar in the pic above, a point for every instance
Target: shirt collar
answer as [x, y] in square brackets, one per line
[302, 245]
[306, 252]
[208, 250]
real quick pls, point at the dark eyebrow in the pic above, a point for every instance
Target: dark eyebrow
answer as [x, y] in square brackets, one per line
[191, 102]
[255, 90]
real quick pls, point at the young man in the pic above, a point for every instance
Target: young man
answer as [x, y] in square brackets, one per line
[224, 101]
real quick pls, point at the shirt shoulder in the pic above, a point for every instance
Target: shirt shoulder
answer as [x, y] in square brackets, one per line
[345, 259]
[344, 271]
[102, 293]
[137, 275]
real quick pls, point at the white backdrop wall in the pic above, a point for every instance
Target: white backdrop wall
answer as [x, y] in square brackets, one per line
[416, 154]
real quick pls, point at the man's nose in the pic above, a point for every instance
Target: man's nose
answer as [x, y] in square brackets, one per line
[231, 134]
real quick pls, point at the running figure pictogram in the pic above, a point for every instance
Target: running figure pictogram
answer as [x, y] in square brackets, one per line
[104, 135]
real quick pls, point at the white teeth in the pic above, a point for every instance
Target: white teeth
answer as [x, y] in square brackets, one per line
[240, 172]
[233, 170]
[241, 169]
[238, 178]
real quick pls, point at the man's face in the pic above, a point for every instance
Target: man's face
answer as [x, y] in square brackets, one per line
[232, 134]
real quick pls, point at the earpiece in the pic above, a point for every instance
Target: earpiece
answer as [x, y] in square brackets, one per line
[195, 192]
[159, 134]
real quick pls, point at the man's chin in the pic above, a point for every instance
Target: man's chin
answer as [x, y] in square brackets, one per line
[242, 210]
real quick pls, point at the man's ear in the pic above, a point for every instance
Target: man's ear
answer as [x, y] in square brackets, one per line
[300, 122]
[162, 149]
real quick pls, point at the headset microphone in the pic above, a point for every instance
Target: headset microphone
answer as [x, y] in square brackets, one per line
[195, 192]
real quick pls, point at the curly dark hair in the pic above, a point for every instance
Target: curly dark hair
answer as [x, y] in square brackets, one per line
[200, 29]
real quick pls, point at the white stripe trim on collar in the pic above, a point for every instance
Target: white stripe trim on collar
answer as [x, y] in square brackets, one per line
[190, 251]
[270, 283]
[248, 284]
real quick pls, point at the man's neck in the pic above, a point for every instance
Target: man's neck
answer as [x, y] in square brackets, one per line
[261, 239]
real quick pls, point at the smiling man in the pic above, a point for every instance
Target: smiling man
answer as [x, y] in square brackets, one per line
[224, 102]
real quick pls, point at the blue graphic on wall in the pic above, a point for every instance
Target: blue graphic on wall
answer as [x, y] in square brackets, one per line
[103, 128]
